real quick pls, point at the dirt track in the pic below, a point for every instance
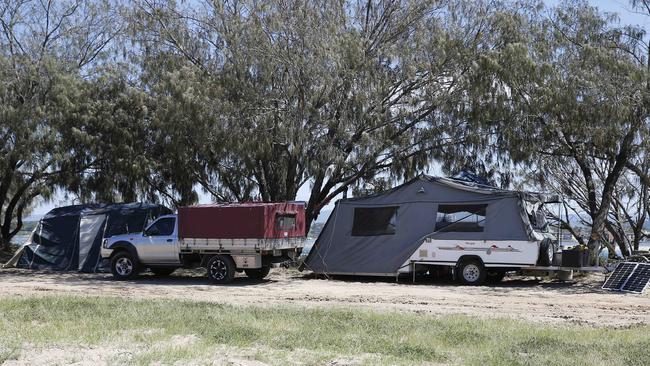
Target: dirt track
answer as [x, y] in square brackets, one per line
[580, 302]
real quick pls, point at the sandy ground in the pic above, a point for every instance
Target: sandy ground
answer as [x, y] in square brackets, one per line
[526, 298]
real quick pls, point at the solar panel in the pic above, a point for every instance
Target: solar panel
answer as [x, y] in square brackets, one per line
[622, 272]
[638, 280]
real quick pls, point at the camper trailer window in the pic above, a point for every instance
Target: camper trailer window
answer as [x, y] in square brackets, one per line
[285, 221]
[460, 218]
[374, 221]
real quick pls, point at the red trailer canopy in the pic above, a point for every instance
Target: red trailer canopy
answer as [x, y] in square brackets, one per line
[242, 220]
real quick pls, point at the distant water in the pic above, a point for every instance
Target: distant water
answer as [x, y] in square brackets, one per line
[19, 239]
[644, 245]
[309, 243]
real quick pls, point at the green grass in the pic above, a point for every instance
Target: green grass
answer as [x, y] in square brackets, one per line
[172, 331]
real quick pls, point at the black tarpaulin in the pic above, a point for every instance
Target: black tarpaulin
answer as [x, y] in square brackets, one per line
[69, 238]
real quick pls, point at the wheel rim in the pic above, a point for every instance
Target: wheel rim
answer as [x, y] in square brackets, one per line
[471, 273]
[550, 253]
[218, 270]
[124, 266]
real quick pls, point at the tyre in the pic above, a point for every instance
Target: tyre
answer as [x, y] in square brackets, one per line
[221, 269]
[546, 252]
[258, 273]
[472, 272]
[494, 276]
[124, 266]
[163, 271]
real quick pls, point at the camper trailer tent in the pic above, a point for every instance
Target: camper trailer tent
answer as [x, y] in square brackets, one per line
[434, 221]
[69, 238]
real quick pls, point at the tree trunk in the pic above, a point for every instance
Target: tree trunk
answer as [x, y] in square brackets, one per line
[5, 244]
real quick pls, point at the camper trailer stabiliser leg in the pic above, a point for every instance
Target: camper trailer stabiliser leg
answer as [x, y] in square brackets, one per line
[413, 270]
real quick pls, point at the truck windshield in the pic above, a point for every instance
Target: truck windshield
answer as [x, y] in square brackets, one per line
[162, 227]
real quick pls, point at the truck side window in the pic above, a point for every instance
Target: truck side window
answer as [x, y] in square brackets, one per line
[162, 227]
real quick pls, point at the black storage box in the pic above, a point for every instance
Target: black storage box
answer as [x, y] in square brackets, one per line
[575, 258]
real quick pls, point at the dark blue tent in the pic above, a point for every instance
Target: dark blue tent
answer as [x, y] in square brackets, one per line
[69, 238]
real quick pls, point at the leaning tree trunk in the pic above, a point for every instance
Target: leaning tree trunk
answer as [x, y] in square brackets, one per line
[4, 244]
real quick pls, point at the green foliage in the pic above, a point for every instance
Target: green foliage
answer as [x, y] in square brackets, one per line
[48, 137]
[572, 91]
[255, 99]
[273, 95]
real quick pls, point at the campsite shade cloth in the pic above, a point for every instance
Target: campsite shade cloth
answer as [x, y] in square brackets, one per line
[69, 238]
[339, 250]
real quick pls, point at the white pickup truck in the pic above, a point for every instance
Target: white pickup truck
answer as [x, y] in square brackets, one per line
[224, 239]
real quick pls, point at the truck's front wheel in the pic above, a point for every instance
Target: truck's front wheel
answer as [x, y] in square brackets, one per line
[124, 266]
[258, 273]
[221, 269]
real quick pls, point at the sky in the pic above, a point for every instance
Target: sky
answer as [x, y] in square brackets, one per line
[627, 16]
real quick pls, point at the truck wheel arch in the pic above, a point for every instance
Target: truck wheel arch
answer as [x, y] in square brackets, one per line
[205, 258]
[124, 246]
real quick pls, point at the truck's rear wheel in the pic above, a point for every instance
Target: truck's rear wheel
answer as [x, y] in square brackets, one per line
[124, 266]
[221, 269]
[472, 272]
[258, 273]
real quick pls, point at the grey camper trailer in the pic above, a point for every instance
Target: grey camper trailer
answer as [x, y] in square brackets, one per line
[479, 231]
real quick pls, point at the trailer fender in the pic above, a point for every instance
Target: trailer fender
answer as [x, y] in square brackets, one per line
[467, 257]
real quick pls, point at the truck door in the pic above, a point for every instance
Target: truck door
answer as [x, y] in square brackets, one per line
[160, 244]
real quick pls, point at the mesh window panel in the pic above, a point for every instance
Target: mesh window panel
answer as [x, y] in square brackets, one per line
[374, 221]
[461, 218]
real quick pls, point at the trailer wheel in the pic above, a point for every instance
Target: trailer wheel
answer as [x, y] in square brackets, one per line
[258, 273]
[124, 266]
[221, 269]
[546, 252]
[494, 276]
[472, 272]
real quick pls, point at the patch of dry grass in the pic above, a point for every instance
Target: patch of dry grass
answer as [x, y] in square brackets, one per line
[172, 331]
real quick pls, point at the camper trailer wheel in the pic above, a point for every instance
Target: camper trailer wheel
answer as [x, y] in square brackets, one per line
[124, 266]
[258, 273]
[221, 269]
[472, 272]
[546, 252]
